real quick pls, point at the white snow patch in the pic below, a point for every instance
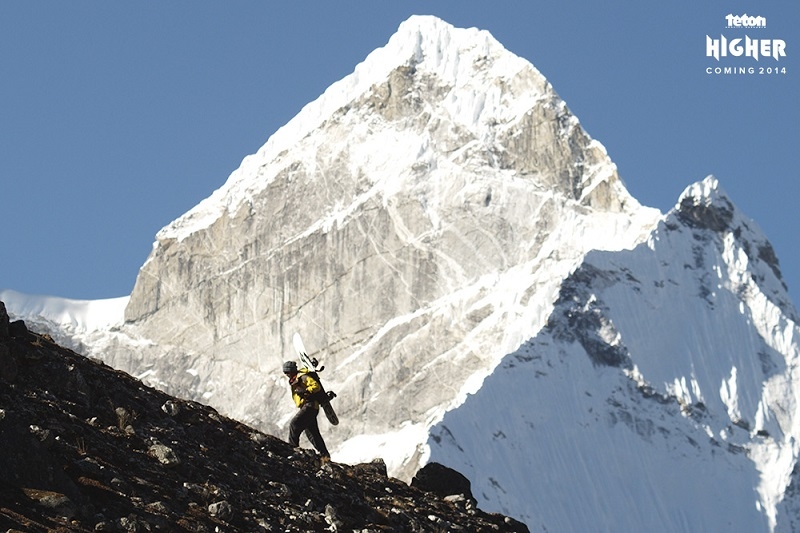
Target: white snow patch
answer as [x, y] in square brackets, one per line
[78, 316]
[395, 448]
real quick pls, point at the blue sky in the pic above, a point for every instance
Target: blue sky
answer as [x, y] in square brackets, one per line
[118, 117]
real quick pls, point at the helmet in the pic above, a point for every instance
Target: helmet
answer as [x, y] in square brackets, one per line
[290, 367]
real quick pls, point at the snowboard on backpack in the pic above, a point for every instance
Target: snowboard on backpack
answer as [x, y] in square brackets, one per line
[324, 398]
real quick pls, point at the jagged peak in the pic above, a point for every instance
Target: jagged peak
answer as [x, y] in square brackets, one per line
[447, 51]
[708, 189]
[457, 57]
[425, 42]
[705, 204]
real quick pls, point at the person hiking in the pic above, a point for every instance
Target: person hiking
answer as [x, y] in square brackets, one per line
[304, 387]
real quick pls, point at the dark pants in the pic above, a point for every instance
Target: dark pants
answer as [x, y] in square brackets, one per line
[306, 420]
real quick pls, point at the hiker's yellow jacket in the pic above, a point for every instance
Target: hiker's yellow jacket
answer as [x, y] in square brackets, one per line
[303, 388]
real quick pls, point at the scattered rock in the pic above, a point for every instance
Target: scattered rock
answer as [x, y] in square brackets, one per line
[164, 454]
[54, 501]
[332, 517]
[171, 408]
[376, 468]
[222, 510]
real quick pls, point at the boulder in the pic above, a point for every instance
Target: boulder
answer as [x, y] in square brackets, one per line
[442, 480]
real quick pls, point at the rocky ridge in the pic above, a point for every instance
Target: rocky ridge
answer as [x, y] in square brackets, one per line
[89, 448]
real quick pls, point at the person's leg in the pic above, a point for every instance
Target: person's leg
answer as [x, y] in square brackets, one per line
[313, 434]
[298, 424]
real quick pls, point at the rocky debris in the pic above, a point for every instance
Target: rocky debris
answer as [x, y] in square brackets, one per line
[89, 448]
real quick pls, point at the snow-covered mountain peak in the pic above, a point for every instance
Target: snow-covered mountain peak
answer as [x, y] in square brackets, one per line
[707, 190]
[453, 54]
[706, 206]
[479, 86]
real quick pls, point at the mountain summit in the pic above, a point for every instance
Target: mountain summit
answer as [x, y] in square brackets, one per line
[486, 294]
[414, 223]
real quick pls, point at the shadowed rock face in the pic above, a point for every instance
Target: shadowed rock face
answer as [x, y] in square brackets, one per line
[715, 216]
[88, 448]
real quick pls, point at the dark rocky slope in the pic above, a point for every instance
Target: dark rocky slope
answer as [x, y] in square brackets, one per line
[84, 447]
